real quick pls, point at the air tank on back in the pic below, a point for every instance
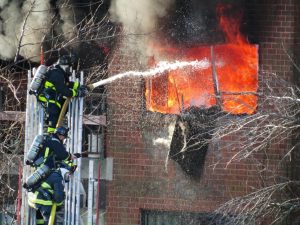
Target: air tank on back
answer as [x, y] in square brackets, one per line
[37, 176]
[34, 149]
[38, 78]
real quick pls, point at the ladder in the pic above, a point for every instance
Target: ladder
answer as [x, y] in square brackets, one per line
[76, 195]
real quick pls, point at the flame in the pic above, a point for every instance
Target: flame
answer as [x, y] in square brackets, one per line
[230, 24]
[236, 70]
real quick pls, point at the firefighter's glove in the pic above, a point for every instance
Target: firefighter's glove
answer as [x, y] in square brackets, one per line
[82, 91]
[69, 165]
[31, 92]
[77, 155]
[73, 169]
[25, 186]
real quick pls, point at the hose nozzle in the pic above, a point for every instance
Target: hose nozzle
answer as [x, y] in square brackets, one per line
[90, 87]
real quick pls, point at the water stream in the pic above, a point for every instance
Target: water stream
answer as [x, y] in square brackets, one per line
[161, 68]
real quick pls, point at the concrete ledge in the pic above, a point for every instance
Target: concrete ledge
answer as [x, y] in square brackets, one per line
[12, 116]
[94, 120]
[20, 116]
[106, 168]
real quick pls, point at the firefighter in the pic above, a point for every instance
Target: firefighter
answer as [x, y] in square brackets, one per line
[54, 145]
[48, 192]
[57, 87]
[51, 152]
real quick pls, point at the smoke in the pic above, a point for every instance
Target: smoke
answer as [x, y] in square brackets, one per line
[67, 17]
[37, 26]
[139, 16]
[140, 19]
[165, 140]
[27, 23]
[10, 20]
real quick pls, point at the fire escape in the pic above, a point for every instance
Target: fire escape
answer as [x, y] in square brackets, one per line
[85, 193]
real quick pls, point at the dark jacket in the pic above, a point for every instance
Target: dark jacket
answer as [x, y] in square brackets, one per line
[55, 180]
[59, 80]
[49, 191]
[52, 151]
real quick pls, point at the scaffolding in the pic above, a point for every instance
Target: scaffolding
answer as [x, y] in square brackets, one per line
[80, 206]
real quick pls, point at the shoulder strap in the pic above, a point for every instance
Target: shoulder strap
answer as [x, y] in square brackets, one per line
[55, 139]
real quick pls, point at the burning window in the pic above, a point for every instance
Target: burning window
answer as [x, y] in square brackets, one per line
[228, 79]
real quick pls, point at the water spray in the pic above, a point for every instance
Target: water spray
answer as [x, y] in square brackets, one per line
[161, 68]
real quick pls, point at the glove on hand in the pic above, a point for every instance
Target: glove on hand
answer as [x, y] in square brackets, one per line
[77, 155]
[82, 91]
[73, 168]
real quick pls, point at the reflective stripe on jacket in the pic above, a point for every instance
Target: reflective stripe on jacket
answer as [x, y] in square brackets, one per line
[51, 190]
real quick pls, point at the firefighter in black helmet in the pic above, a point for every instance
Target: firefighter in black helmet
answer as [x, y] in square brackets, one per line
[46, 189]
[51, 154]
[57, 87]
[48, 192]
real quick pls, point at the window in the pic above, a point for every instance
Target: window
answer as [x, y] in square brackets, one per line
[151, 217]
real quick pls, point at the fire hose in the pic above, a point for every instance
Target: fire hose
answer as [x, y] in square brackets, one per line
[63, 112]
[52, 214]
[64, 108]
[66, 104]
[53, 208]
[160, 69]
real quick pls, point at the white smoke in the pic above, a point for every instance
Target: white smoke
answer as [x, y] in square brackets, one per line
[140, 19]
[67, 17]
[139, 15]
[165, 140]
[37, 27]
[40, 16]
[9, 28]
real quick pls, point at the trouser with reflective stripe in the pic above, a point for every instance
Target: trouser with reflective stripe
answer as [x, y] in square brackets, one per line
[45, 211]
[39, 218]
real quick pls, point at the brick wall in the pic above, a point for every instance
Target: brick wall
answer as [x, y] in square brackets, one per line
[143, 178]
[272, 25]
[275, 26]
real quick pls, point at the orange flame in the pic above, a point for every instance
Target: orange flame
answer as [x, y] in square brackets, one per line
[236, 69]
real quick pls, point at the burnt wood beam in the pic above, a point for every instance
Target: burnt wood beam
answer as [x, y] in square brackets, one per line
[215, 78]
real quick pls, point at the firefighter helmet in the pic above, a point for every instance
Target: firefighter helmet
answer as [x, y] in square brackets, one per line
[62, 131]
[67, 60]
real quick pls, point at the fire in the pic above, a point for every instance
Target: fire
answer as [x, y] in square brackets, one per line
[234, 65]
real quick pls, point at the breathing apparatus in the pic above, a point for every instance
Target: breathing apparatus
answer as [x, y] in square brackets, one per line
[34, 150]
[38, 79]
[40, 174]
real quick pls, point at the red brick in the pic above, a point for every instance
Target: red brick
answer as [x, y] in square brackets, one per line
[136, 162]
